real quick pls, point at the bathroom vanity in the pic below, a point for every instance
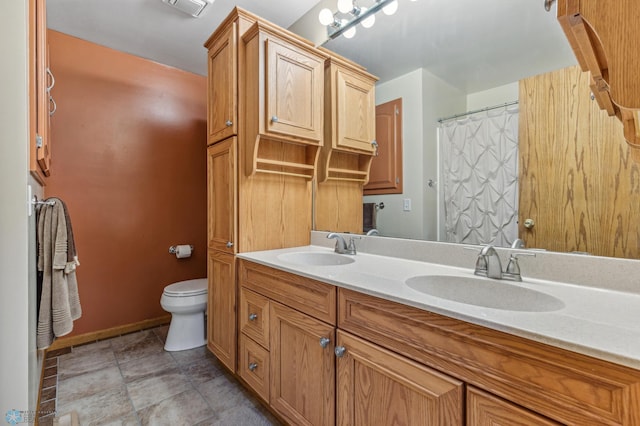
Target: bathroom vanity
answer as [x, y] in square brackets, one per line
[325, 340]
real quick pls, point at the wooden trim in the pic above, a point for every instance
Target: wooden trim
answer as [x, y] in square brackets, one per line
[107, 333]
[44, 359]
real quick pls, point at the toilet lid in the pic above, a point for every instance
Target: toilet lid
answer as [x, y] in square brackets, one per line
[187, 288]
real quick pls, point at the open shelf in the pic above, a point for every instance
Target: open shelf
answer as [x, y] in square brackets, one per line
[345, 166]
[282, 158]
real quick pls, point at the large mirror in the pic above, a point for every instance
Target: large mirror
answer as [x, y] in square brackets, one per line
[446, 58]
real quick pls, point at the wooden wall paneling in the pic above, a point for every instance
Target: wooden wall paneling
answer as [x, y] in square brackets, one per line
[338, 206]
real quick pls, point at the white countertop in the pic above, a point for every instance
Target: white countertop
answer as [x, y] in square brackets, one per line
[598, 322]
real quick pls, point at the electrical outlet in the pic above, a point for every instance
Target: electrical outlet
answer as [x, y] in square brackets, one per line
[406, 204]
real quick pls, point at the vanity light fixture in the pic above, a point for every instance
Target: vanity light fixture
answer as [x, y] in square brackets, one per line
[350, 14]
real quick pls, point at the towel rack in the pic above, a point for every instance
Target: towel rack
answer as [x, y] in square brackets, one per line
[37, 202]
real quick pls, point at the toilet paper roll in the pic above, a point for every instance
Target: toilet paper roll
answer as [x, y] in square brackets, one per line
[183, 251]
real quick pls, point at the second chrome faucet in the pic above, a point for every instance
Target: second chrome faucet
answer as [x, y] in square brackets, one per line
[341, 244]
[488, 264]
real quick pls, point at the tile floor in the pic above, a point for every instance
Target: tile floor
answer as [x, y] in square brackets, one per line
[131, 380]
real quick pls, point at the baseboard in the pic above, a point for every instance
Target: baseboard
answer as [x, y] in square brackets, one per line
[80, 339]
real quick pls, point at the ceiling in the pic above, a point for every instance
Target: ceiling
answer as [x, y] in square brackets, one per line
[473, 45]
[151, 29]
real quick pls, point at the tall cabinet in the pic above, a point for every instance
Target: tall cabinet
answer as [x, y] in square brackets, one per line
[264, 127]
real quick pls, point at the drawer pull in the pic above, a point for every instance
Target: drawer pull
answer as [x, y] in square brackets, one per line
[229, 244]
[253, 317]
[324, 342]
[340, 351]
[253, 366]
[274, 119]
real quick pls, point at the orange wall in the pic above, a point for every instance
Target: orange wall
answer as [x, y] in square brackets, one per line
[129, 159]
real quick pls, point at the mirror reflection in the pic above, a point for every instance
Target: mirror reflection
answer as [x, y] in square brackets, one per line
[489, 176]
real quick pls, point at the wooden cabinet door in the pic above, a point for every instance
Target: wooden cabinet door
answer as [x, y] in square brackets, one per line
[221, 198]
[355, 118]
[294, 91]
[379, 387]
[221, 307]
[43, 82]
[385, 176]
[302, 370]
[222, 84]
[486, 409]
[576, 180]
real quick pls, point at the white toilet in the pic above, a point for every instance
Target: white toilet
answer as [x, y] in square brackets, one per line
[187, 302]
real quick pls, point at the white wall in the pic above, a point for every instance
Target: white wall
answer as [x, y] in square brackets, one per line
[492, 97]
[392, 220]
[440, 100]
[425, 98]
[17, 356]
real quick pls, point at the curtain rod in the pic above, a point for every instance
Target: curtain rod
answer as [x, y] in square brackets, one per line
[506, 104]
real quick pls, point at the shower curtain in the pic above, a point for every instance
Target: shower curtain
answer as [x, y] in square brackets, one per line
[479, 171]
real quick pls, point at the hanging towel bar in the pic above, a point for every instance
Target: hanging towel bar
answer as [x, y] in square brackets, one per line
[37, 202]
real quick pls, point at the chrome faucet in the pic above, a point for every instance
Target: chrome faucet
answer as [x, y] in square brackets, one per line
[341, 244]
[488, 264]
[518, 243]
[493, 267]
[373, 231]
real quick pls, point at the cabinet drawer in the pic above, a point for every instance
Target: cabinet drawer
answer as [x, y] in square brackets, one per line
[562, 385]
[254, 366]
[254, 316]
[312, 297]
[486, 409]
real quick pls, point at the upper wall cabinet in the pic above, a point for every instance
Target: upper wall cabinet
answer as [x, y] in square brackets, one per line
[349, 122]
[353, 108]
[284, 92]
[604, 35]
[223, 86]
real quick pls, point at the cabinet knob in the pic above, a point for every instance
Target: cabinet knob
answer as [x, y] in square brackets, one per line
[340, 351]
[529, 223]
[324, 342]
[229, 123]
[229, 244]
[274, 119]
[253, 366]
[253, 317]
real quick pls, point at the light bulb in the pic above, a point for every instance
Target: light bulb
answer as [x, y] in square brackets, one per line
[391, 8]
[325, 17]
[345, 6]
[369, 20]
[350, 32]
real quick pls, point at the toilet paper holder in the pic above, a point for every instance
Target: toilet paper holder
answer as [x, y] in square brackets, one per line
[174, 249]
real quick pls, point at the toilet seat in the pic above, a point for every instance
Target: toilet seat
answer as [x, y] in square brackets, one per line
[187, 288]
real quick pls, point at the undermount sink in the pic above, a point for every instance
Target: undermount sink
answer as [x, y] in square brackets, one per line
[316, 258]
[485, 292]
